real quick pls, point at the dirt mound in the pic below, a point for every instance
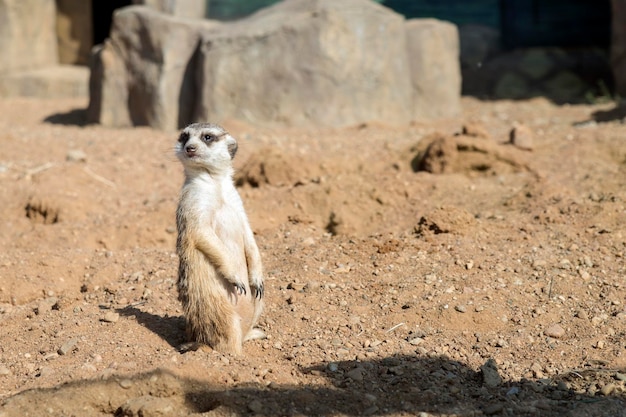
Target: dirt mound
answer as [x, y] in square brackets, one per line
[446, 220]
[471, 155]
[270, 166]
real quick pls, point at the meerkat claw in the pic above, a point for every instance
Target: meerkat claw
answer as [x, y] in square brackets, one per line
[258, 291]
[240, 289]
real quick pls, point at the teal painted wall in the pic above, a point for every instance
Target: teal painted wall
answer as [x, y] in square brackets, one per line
[521, 22]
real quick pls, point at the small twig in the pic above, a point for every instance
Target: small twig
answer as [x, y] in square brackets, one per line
[394, 327]
[99, 178]
[29, 173]
[550, 287]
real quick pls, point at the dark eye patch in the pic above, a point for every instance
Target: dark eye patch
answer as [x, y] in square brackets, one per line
[184, 137]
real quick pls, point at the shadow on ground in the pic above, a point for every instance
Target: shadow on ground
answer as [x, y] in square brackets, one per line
[76, 117]
[389, 386]
[614, 114]
[170, 329]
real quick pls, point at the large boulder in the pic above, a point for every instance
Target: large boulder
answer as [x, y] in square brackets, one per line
[433, 51]
[143, 75]
[308, 62]
[27, 34]
[299, 62]
[618, 46]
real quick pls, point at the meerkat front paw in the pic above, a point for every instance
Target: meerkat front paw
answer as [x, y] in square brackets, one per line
[240, 289]
[258, 290]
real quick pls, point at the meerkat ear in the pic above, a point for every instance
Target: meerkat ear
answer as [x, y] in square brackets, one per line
[232, 146]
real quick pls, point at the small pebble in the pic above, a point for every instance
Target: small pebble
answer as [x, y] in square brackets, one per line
[493, 409]
[491, 377]
[4, 371]
[76, 155]
[460, 308]
[126, 383]
[45, 371]
[521, 136]
[556, 331]
[255, 406]
[67, 347]
[356, 374]
[607, 389]
[416, 341]
[111, 317]
[370, 410]
[332, 367]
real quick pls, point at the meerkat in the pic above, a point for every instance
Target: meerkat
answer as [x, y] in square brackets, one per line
[220, 276]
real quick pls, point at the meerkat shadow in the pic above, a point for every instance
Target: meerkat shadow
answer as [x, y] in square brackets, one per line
[170, 329]
[77, 117]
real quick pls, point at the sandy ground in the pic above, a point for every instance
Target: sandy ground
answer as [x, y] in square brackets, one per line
[495, 284]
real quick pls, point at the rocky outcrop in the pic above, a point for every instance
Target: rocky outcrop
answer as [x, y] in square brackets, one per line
[299, 62]
[143, 75]
[306, 62]
[433, 51]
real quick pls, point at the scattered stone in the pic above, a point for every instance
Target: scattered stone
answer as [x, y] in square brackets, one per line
[126, 383]
[416, 341]
[312, 286]
[493, 409]
[255, 406]
[76, 155]
[370, 410]
[521, 136]
[539, 263]
[111, 317]
[607, 389]
[45, 371]
[356, 374]
[620, 376]
[67, 347]
[46, 305]
[460, 308]
[555, 331]
[491, 377]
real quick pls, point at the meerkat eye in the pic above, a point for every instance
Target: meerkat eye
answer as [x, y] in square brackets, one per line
[207, 137]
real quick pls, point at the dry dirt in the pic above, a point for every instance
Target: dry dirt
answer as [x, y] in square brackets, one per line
[492, 285]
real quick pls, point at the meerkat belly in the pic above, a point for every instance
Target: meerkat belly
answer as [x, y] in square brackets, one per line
[230, 230]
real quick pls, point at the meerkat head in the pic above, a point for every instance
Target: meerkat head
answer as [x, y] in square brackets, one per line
[205, 146]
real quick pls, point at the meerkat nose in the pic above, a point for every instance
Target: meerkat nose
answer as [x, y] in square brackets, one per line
[190, 150]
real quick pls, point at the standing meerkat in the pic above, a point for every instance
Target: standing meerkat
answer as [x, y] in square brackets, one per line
[220, 276]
